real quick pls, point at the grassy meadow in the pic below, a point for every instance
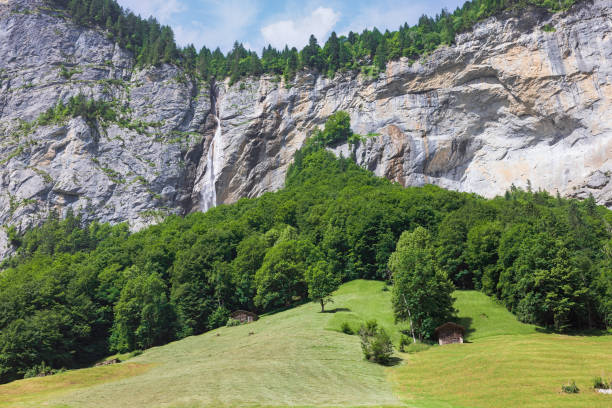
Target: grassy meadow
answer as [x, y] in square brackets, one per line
[504, 364]
[299, 358]
[290, 359]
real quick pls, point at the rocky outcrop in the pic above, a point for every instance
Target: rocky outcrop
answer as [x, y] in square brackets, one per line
[136, 171]
[510, 102]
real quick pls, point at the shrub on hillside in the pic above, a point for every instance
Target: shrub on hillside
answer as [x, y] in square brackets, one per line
[416, 348]
[218, 318]
[40, 370]
[407, 345]
[375, 343]
[231, 322]
[600, 383]
[570, 388]
[346, 328]
[405, 341]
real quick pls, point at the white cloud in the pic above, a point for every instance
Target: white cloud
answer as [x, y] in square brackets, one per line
[295, 32]
[163, 10]
[189, 34]
[261, 22]
[389, 16]
[214, 23]
[225, 22]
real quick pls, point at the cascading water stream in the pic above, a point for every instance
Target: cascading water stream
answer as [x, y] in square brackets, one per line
[213, 163]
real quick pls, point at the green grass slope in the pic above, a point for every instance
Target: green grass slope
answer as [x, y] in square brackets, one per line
[504, 364]
[482, 317]
[360, 300]
[290, 359]
[298, 358]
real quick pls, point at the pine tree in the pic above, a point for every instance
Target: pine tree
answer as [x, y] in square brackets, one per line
[202, 63]
[255, 68]
[380, 59]
[311, 54]
[291, 65]
[332, 52]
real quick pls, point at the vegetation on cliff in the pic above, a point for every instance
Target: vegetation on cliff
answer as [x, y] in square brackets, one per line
[369, 51]
[75, 291]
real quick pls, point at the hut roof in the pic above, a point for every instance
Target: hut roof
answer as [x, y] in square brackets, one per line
[450, 325]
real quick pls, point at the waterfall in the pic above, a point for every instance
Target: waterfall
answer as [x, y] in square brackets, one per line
[213, 163]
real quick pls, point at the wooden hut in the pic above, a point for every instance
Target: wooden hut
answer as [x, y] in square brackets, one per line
[244, 316]
[450, 333]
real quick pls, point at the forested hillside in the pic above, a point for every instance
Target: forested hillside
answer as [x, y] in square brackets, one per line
[369, 51]
[75, 292]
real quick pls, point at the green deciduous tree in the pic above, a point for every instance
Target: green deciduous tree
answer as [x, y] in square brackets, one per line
[280, 280]
[321, 282]
[481, 255]
[337, 127]
[421, 292]
[143, 314]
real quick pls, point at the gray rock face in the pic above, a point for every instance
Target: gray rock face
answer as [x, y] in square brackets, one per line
[507, 104]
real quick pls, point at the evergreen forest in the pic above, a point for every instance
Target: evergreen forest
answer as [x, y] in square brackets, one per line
[367, 52]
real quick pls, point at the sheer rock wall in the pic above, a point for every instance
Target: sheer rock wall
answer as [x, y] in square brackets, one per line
[508, 103]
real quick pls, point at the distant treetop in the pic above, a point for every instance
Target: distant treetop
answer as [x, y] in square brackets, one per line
[153, 44]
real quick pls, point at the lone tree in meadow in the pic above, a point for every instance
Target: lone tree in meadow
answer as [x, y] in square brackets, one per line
[321, 283]
[421, 292]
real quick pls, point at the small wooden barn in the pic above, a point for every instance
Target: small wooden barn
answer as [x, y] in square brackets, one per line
[450, 333]
[244, 316]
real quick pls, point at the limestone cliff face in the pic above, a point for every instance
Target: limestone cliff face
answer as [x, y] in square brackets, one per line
[508, 103]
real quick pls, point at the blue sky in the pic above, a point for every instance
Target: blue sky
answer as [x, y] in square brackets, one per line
[257, 23]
